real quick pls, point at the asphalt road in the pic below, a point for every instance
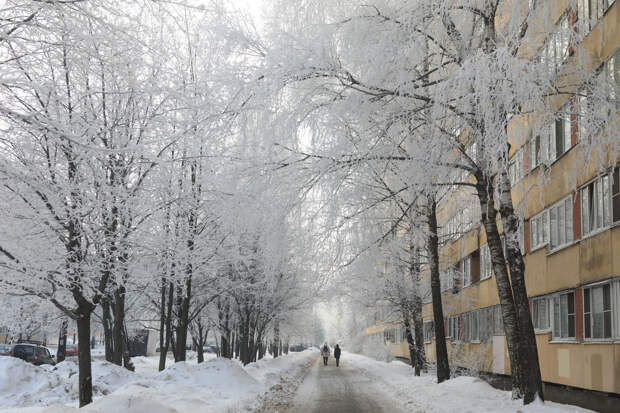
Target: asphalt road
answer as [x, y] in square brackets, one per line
[341, 389]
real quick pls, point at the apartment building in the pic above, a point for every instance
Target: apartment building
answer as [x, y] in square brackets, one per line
[570, 237]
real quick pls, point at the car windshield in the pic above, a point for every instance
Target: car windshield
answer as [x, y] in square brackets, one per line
[27, 350]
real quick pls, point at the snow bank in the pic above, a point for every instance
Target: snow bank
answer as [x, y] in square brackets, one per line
[271, 371]
[462, 394]
[222, 378]
[23, 384]
[218, 385]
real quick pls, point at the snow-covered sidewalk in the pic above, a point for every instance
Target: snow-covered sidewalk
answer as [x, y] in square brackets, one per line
[462, 394]
[218, 385]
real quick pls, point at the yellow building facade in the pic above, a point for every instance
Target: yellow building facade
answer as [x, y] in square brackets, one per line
[570, 237]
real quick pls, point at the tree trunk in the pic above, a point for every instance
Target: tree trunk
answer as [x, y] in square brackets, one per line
[528, 350]
[107, 330]
[183, 324]
[162, 324]
[252, 342]
[236, 344]
[85, 373]
[163, 349]
[410, 341]
[443, 366]
[199, 341]
[418, 330]
[125, 351]
[484, 189]
[244, 338]
[276, 338]
[61, 353]
[416, 308]
[119, 320]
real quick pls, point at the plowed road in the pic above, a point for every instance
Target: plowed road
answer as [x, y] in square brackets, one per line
[344, 389]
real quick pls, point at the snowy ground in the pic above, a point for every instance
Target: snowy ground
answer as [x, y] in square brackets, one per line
[462, 394]
[286, 384]
[218, 385]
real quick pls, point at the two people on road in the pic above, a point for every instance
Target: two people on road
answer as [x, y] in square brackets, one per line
[325, 352]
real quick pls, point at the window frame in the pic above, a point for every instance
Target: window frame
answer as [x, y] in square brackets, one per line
[467, 271]
[515, 168]
[564, 203]
[547, 53]
[548, 303]
[540, 220]
[486, 266]
[564, 123]
[428, 336]
[558, 296]
[614, 310]
[587, 24]
[587, 204]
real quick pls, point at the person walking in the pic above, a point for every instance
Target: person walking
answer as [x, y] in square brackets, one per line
[337, 354]
[325, 353]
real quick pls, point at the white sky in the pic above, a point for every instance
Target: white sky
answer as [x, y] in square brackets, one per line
[253, 6]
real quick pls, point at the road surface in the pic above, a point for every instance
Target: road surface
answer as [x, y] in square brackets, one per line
[341, 389]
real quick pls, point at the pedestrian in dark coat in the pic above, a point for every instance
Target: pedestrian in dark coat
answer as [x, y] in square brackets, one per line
[337, 354]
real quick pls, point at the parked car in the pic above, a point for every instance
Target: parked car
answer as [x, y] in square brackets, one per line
[297, 348]
[32, 353]
[5, 350]
[72, 350]
[209, 349]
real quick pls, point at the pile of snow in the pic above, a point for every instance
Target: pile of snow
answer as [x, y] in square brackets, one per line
[218, 385]
[23, 384]
[221, 377]
[271, 371]
[463, 394]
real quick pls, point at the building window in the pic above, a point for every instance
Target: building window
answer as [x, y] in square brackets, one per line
[583, 108]
[467, 271]
[521, 236]
[560, 138]
[612, 71]
[561, 223]
[539, 148]
[564, 315]
[389, 336]
[474, 330]
[454, 327]
[485, 262]
[589, 12]
[465, 319]
[515, 168]
[615, 194]
[555, 50]
[541, 314]
[596, 205]
[429, 331]
[472, 151]
[597, 312]
[538, 230]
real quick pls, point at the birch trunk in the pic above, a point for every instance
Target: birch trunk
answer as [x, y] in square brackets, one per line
[484, 189]
[443, 366]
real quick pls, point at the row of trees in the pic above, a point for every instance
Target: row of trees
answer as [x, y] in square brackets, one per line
[411, 102]
[132, 191]
[170, 159]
